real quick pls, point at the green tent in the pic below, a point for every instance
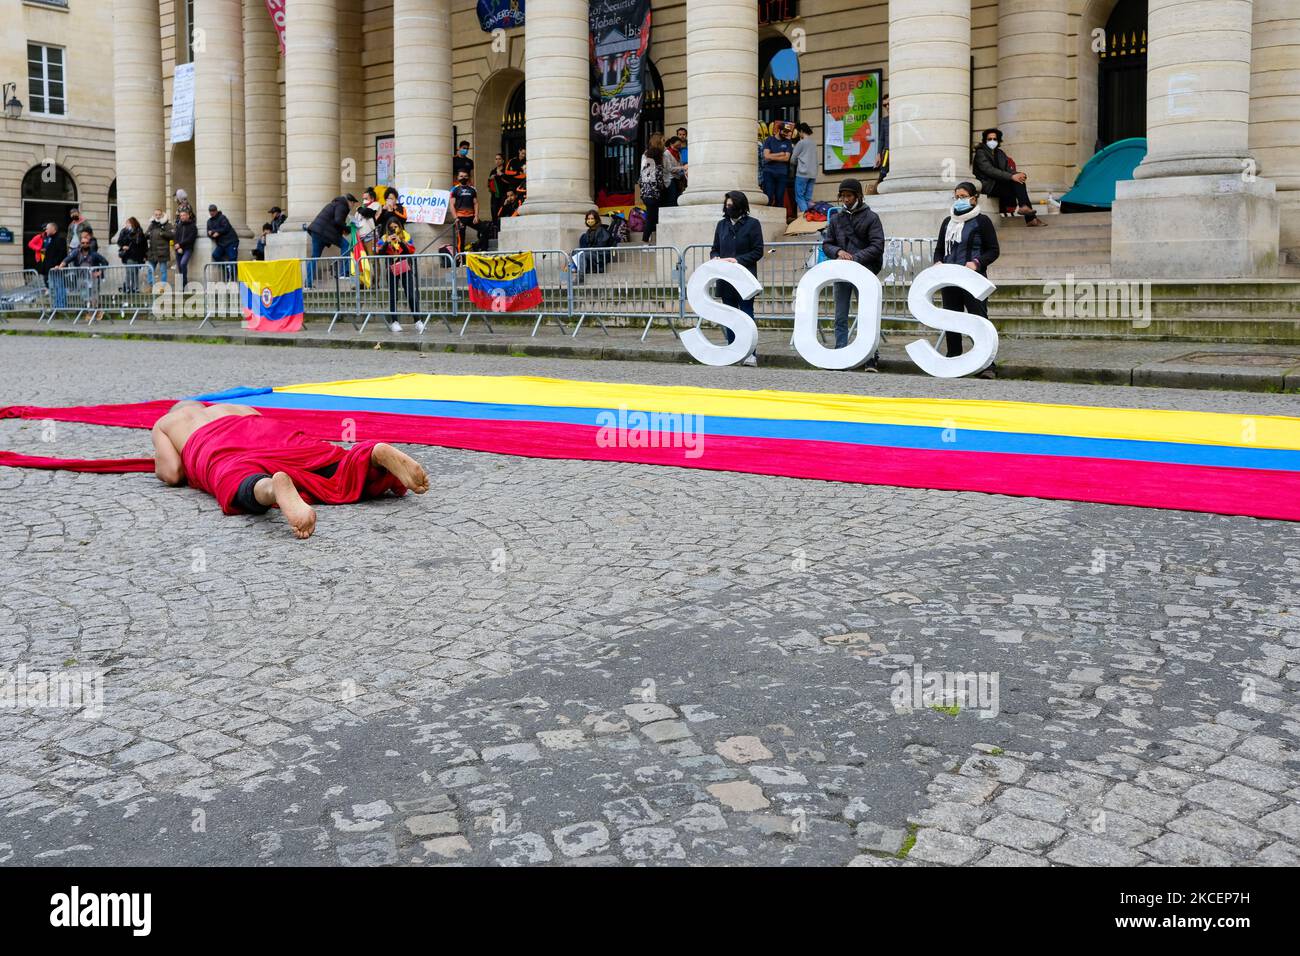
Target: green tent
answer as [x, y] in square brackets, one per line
[1094, 189]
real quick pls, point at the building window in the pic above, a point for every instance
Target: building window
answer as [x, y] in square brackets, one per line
[776, 11]
[189, 31]
[45, 79]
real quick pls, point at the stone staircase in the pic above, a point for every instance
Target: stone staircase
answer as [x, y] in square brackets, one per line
[1077, 244]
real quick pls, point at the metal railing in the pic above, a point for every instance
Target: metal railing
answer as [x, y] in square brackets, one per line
[22, 289]
[641, 282]
[627, 284]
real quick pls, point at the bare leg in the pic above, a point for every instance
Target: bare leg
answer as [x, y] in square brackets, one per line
[278, 490]
[401, 466]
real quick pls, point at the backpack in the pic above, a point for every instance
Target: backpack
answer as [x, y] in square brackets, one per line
[636, 219]
[618, 228]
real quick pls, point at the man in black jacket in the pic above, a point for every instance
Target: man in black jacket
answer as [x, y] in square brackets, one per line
[327, 229]
[738, 238]
[225, 241]
[999, 178]
[856, 235]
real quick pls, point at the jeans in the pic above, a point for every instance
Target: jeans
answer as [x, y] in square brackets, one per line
[226, 253]
[407, 281]
[58, 290]
[156, 271]
[774, 183]
[959, 300]
[803, 190]
[729, 296]
[1012, 190]
[183, 265]
[844, 292]
[318, 245]
[131, 281]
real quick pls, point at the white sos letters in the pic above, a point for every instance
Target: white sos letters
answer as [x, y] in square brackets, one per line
[981, 330]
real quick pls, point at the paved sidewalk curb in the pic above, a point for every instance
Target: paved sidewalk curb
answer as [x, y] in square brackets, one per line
[893, 359]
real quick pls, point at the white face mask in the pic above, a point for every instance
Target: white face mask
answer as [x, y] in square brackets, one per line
[992, 144]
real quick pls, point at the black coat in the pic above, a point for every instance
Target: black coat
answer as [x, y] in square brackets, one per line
[158, 236]
[225, 232]
[598, 238]
[967, 249]
[859, 233]
[990, 168]
[55, 251]
[330, 222]
[185, 235]
[131, 244]
[741, 240]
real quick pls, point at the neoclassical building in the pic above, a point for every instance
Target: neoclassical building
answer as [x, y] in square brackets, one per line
[1212, 85]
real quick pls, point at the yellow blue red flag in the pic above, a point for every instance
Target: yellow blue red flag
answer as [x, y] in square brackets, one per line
[503, 282]
[270, 295]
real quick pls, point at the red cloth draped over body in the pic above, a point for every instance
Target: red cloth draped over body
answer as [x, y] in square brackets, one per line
[218, 456]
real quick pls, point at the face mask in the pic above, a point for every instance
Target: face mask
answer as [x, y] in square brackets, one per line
[992, 144]
[464, 152]
[961, 206]
[729, 211]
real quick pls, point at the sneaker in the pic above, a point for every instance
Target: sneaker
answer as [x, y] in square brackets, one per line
[752, 361]
[394, 326]
[419, 326]
[873, 364]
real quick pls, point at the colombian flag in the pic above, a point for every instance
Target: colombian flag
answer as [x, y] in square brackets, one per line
[506, 282]
[270, 295]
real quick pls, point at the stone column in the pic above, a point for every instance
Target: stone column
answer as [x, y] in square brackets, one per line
[422, 93]
[352, 99]
[722, 116]
[929, 123]
[138, 110]
[262, 145]
[219, 112]
[1274, 110]
[1034, 107]
[311, 109]
[1194, 208]
[557, 64]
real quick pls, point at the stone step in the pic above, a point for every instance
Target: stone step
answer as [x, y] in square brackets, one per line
[1055, 244]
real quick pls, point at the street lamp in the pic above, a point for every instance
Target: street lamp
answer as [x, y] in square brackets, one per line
[13, 105]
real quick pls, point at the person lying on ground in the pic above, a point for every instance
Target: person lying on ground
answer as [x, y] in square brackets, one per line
[251, 463]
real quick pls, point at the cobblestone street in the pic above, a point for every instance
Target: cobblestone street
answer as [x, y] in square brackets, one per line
[584, 663]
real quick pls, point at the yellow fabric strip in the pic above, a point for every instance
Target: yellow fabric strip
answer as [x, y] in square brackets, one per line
[1140, 424]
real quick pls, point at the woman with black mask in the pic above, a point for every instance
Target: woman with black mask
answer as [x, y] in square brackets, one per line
[737, 238]
[999, 178]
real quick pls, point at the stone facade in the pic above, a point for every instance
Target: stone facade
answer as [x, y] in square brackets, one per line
[1026, 66]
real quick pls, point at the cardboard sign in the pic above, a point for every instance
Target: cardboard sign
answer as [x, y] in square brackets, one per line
[426, 205]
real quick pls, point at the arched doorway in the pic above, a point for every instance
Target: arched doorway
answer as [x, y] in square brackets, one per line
[49, 193]
[498, 121]
[778, 87]
[618, 166]
[1122, 75]
[514, 133]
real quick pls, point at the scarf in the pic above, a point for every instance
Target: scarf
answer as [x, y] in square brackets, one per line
[955, 224]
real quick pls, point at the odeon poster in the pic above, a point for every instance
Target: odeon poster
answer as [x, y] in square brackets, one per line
[620, 36]
[851, 120]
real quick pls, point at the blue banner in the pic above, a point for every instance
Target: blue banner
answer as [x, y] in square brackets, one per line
[500, 14]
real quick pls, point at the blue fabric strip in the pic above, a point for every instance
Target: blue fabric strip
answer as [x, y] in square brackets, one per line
[897, 436]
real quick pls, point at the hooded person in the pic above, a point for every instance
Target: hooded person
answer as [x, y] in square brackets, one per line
[854, 234]
[737, 238]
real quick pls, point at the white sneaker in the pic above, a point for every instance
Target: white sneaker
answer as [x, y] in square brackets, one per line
[394, 326]
[419, 326]
[752, 361]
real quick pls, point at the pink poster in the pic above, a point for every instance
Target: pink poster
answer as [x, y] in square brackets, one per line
[276, 9]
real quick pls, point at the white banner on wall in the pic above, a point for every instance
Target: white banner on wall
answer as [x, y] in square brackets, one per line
[183, 103]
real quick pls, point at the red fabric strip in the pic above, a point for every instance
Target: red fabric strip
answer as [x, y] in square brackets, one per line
[102, 466]
[1235, 491]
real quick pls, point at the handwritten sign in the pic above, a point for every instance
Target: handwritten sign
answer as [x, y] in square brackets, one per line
[426, 205]
[183, 103]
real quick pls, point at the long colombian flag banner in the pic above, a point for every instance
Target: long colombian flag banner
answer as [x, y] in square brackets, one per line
[1190, 461]
[503, 282]
[270, 295]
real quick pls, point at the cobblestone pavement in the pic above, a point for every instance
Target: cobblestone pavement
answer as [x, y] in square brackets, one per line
[573, 663]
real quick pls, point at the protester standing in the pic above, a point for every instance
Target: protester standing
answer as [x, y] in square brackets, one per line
[366, 219]
[132, 246]
[497, 185]
[967, 238]
[882, 149]
[777, 150]
[77, 224]
[804, 161]
[185, 235]
[54, 249]
[651, 181]
[225, 241]
[855, 235]
[327, 230]
[393, 211]
[464, 204]
[396, 249]
[158, 247]
[674, 172]
[461, 162]
[738, 238]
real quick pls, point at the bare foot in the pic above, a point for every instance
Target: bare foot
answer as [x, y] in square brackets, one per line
[300, 515]
[401, 466]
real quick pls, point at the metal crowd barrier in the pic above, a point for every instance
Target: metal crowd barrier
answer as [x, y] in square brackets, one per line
[23, 289]
[630, 281]
[554, 278]
[424, 284]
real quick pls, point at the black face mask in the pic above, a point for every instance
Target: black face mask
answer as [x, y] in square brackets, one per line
[729, 211]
